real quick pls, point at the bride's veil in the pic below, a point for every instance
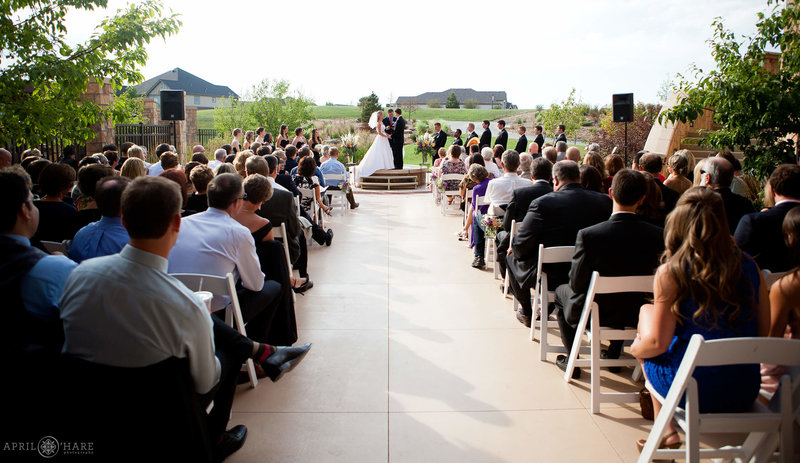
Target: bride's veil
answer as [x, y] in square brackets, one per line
[373, 120]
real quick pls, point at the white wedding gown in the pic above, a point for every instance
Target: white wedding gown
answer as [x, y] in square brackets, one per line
[379, 156]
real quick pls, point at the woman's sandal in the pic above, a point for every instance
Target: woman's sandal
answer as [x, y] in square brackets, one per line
[663, 445]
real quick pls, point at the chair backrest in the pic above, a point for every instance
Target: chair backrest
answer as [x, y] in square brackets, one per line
[554, 255]
[482, 201]
[627, 284]
[775, 351]
[218, 286]
[515, 227]
[335, 178]
[55, 246]
[307, 193]
[458, 177]
[279, 232]
[770, 277]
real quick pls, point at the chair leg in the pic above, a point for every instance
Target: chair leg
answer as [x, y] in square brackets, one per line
[534, 308]
[594, 370]
[576, 344]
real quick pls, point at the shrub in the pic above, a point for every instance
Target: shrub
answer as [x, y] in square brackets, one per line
[611, 134]
[470, 103]
[434, 103]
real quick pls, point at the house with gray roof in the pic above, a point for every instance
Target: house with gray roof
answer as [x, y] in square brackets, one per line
[200, 93]
[486, 100]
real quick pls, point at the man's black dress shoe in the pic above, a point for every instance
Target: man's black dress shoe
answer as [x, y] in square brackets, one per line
[283, 360]
[562, 361]
[478, 262]
[232, 440]
[353, 206]
[524, 319]
[329, 238]
[604, 356]
[304, 287]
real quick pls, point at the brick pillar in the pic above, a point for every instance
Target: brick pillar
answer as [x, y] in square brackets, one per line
[191, 128]
[104, 130]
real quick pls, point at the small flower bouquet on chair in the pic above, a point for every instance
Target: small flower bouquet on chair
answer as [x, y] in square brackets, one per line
[491, 225]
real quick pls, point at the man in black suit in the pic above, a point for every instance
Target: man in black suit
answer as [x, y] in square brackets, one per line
[539, 138]
[760, 234]
[471, 132]
[560, 135]
[388, 121]
[486, 136]
[652, 164]
[502, 137]
[457, 138]
[718, 174]
[522, 144]
[521, 199]
[623, 245]
[397, 139]
[552, 220]
[439, 140]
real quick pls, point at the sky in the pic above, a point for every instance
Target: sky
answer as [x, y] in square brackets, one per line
[535, 51]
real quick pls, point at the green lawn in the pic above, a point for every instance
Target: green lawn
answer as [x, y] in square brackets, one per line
[205, 118]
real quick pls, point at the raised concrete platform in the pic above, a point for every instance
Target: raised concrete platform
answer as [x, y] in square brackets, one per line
[408, 178]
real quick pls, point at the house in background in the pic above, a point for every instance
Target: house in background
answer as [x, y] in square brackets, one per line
[200, 94]
[486, 100]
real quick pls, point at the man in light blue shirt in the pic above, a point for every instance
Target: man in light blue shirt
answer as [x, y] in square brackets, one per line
[106, 236]
[333, 166]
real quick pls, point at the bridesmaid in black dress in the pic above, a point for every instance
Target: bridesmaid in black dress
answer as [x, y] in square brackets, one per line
[283, 138]
[299, 139]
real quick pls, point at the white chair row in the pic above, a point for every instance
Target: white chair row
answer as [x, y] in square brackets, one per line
[338, 197]
[453, 193]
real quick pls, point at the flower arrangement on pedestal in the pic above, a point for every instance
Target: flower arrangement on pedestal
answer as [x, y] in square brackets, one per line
[491, 225]
[350, 145]
[425, 144]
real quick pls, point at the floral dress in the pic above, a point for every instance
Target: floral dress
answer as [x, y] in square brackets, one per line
[451, 167]
[311, 183]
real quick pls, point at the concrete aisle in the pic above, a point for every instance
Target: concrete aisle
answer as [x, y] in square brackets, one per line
[418, 358]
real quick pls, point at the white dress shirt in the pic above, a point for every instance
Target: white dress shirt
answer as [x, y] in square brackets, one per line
[492, 168]
[155, 170]
[213, 243]
[124, 310]
[214, 164]
[500, 190]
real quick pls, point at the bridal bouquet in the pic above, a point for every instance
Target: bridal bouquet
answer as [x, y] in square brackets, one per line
[350, 145]
[491, 225]
[425, 144]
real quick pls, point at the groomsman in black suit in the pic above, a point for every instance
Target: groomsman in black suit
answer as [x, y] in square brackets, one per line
[471, 132]
[486, 136]
[397, 139]
[522, 144]
[457, 138]
[389, 120]
[760, 234]
[539, 139]
[623, 245]
[439, 140]
[560, 135]
[547, 223]
[502, 137]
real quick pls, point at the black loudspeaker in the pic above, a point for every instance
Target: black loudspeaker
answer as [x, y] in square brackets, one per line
[623, 107]
[172, 105]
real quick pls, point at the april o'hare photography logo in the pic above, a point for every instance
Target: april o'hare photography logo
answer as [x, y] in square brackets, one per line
[48, 447]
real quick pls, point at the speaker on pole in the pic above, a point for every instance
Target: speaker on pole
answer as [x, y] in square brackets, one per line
[622, 107]
[172, 105]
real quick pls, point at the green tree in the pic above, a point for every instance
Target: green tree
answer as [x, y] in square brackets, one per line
[452, 101]
[43, 78]
[368, 104]
[434, 103]
[128, 108]
[756, 106]
[567, 113]
[470, 103]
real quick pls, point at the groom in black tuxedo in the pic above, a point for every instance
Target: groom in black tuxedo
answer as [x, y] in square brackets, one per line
[388, 121]
[397, 139]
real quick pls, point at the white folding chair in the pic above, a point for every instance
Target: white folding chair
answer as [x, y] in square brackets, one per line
[222, 286]
[280, 233]
[316, 210]
[766, 428]
[543, 295]
[338, 197]
[467, 203]
[514, 229]
[770, 277]
[451, 178]
[55, 246]
[605, 285]
[479, 201]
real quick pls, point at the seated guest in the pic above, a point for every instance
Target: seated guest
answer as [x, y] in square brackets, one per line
[165, 163]
[106, 236]
[257, 191]
[281, 209]
[225, 168]
[652, 209]
[133, 167]
[533, 150]
[521, 200]
[88, 176]
[480, 176]
[35, 169]
[737, 184]
[623, 245]
[187, 171]
[491, 167]
[594, 159]
[500, 190]
[552, 220]
[219, 158]
[561, 150]
[760, 234]
[200, 176]
[324, 155]
[139, 152]
[785, 293]
[56, 217]
[291, 162]
[614, 163]
[68, 157]
[240, 161]
[440, 156]
[706, 286]
[212, 242]
[497, 155]
[652, 164]
[155, 317]
[717, 175]
[452, 165]
[180, 178]
[525, 165]
[305, 178]
[467, 183]
[303, 152]
[591, 179]
[678, 165]
[550, 154]
[331, 165]
[113, 159]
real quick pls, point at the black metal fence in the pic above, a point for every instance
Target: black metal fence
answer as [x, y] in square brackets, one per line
[51, 149]
[205, 135]
[148, 135]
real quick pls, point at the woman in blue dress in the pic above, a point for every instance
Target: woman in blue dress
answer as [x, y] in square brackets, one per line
[705, 285]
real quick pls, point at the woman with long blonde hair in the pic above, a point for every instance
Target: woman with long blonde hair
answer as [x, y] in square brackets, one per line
[705, 285]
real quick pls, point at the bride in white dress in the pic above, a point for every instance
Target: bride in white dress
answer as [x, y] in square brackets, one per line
[379, 156]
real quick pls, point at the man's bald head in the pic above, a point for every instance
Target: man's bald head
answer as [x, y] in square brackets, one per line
[573, 154]
[719, 171]
[5, 158]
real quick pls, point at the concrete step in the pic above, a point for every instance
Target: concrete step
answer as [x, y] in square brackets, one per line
[702, 154]
[389, 186]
